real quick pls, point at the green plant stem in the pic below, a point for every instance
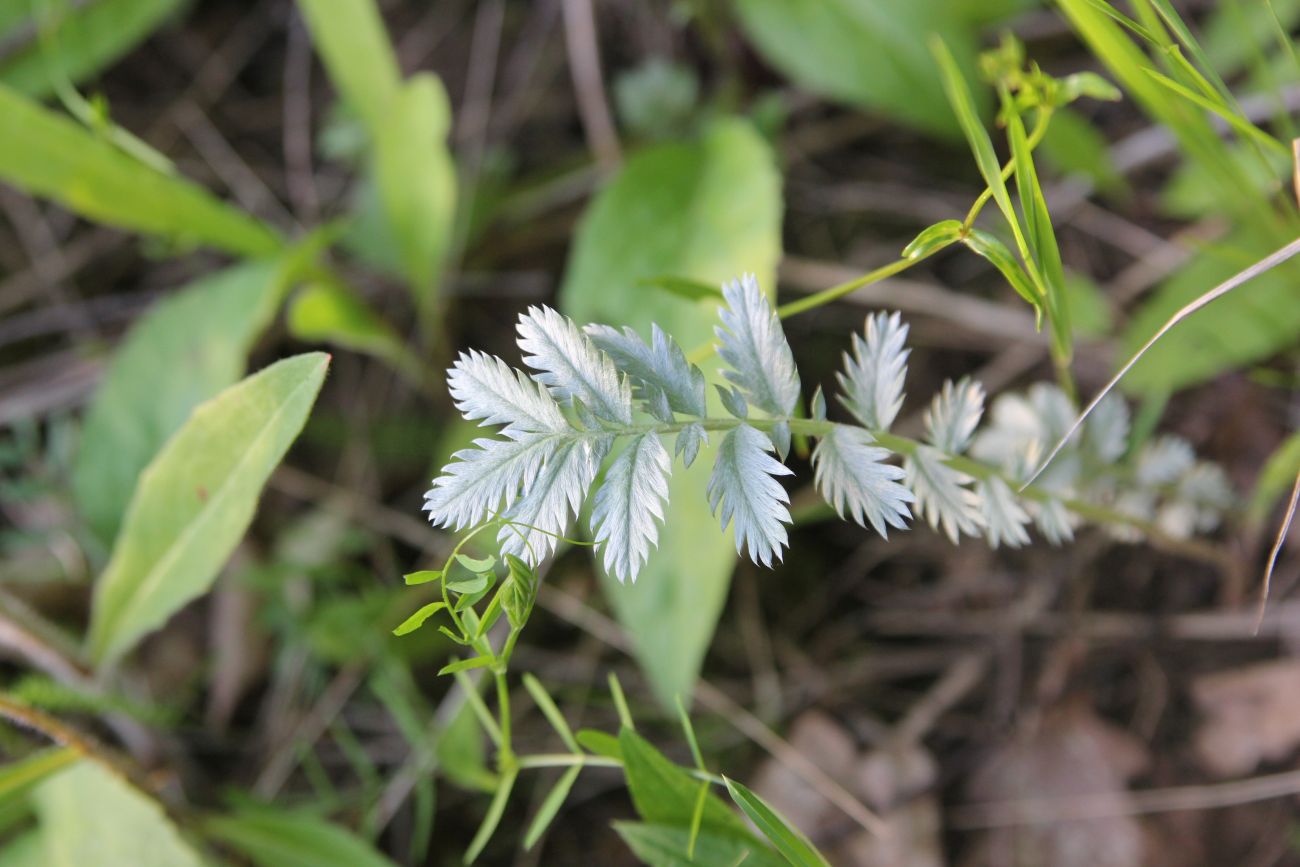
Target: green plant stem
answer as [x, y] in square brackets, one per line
[505, 753]
[568, 760]
[834, 293]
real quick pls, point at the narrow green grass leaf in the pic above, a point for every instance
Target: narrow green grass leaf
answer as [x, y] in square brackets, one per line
[493, 818]
[196, 499]
[660, 845]
[665, 793]
[280, 838]
[1001, 257]
[1233, 119]
[793, 845]
[46, 154]
[1276, 477]
[934, 238]
[551, 806]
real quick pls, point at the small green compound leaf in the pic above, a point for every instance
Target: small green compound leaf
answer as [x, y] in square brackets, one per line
[197, 498]
[988, 246]
[423, 576]
[467, 664]
[934, 238]
[416, 620]
[476, 565]
[792, 844]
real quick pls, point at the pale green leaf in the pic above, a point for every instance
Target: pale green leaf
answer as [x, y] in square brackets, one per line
[670, 846]
[330, 312]
[89, 815]
[18, 777]
[708, 210]
[280, 838]
[869, 53]
[85, 38]
[44, 153]
[185, 350]
[353, 44]
[197, 498]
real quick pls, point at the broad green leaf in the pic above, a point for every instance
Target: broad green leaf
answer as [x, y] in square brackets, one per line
[197, 498]
[17, 778]
[670, 846]
[353, 44]
[330, 312]
[25, 850]
[665, 793]
[85, 38]
[869, 53]
[708, 210]
[185, 350]
[44, 153]
[1276, 479]
[280, 838]
[789, 841]
[88, 815]
[1255, 321]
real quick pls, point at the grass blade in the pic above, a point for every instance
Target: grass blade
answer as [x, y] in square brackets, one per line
[554, 801]
[789, 841]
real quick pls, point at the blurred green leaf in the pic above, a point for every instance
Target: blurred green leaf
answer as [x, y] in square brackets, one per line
[670, 846]
[353, 43]
[84, 38]
[496, 810]
[280, 838]
[554, 801]
[329, 312]
[1276, 479]
[46, 154]
[196, 499]
[461, 756]
[708, 210]
[18, 777]
[186, 349]
[411, 167]
[1073, 145]
[600, 743]
[869, 53]
[789, 841]
[1256, 321]
[25, 850]
[88, 815]
[416, 179]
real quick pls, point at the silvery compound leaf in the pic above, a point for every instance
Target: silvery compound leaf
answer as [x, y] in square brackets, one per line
[485, 387]
[953, 415]
[1004, 519]
[743, 483]
[941, 496]
[629, 505]
[1207, 489]
[754, 346]
[1056, 412]
[851, 474]
[482, 480]
[817, 406]
[542, 515]
[1013, 429]
[1137, 504]
[733, 401]
[657, 368]
[1105, 433]
[571, 365]
[689, 440]
[779, 434]
[1053, 520]
[656, 403]
[873, 375]
[1163, 460]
